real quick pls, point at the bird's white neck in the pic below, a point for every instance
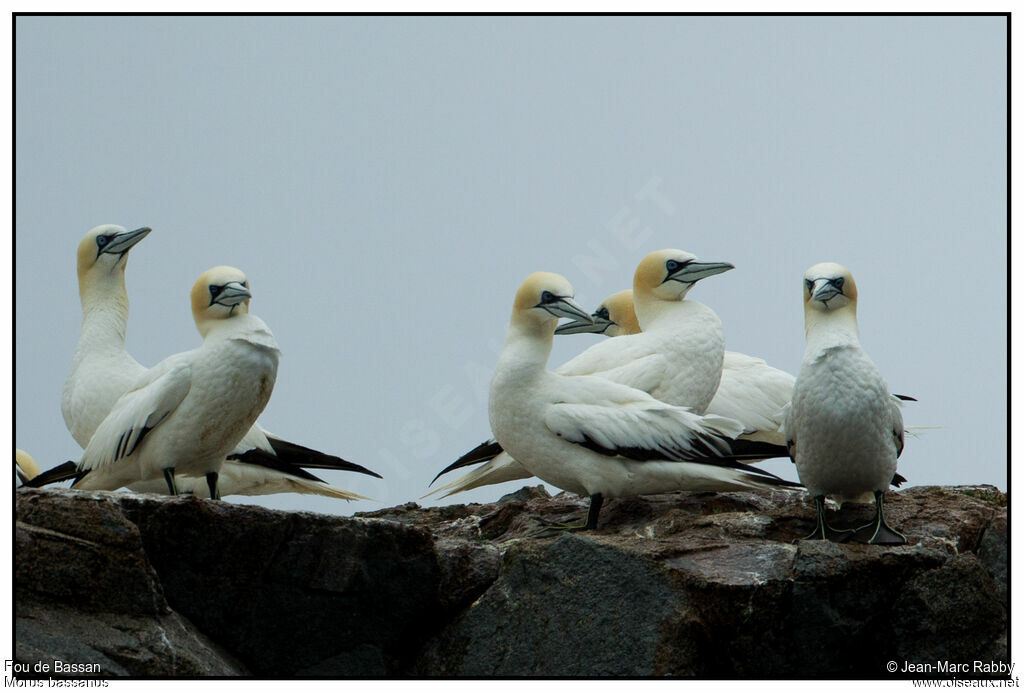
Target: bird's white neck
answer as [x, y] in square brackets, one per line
[527, 346]
[830, 328]
[651, 311]
[104, 311]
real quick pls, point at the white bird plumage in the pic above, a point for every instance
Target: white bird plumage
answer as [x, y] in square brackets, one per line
[594, 437]
[844, 429]
[190, 410]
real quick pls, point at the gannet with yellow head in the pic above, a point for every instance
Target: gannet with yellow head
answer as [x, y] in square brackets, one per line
[189, 411]
[101, 369]
[844, 429]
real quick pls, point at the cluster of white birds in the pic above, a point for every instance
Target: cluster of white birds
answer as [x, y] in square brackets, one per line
[663, 407]
[188, 424]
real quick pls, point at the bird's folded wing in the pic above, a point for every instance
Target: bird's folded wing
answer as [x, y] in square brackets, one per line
[641, 430]
[136, 413]
[255, 439]
[644, 373]
[754, 395]
[610, 355]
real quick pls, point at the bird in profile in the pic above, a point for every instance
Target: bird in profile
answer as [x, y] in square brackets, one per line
[844, 429]
[101, 370]
[189, 411]
[594, 437]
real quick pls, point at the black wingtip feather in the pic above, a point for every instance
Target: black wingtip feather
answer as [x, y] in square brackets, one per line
[297, 455]
[741, 448]
[484, 452]
[62, 472]
[262, 458]
[702, 454]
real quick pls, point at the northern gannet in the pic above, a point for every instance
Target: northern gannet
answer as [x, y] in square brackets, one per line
[677, 357]
[189, 411]
[594, 437]
[101, 369]
[844, 429]
[25, 467]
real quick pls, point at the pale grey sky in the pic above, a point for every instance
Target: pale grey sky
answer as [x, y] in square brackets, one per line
[387, 183]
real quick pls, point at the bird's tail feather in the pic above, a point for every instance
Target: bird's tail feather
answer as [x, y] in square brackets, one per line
[62, 472]
[484, 452]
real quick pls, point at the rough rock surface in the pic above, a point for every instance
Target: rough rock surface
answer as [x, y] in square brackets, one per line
[676, 584]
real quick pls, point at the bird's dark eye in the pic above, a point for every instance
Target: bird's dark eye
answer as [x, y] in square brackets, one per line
[838, 282]
[671, 265]
[602, 313]
[214, 290]
[547, 297]
[102, 240]
[809, 284]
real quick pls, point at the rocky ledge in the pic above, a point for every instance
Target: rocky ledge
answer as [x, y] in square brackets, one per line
[708, 585]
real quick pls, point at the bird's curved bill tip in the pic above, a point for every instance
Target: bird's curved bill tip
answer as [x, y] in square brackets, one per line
[596, 326]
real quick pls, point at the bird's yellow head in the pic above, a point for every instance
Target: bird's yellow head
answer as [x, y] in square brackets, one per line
[220, 293]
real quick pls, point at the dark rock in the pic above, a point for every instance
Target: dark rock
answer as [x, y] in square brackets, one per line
[120, 644]
[83, 552]
[467, 570]
[294, 592]
[949, 613]
[677, 584]
[570, 592]
[525, 493]
[700, 571]
[992, 552]
[86, 594]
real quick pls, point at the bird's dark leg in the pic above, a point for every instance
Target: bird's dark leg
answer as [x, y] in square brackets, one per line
[881, 532]
[172, 488]
[211, 482]
[823, 530]
[595, 509]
